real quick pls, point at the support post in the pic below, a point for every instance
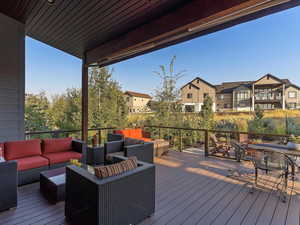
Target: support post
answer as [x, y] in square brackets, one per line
[253, 97]
[283, 96]
[84, 101]
[206, 140]
[100, 137]
[180, 147]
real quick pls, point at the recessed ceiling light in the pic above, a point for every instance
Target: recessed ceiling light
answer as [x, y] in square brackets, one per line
[51, 2]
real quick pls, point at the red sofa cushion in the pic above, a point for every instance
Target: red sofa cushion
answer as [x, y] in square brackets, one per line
[21, 149]
[28, 163]
[61, 157]
[1, 150]
[56, 145]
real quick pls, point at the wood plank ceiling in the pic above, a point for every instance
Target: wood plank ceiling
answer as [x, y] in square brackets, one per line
[102, 29]
[77, 25]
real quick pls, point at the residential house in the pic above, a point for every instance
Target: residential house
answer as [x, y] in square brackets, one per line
[268, 92]
[194, 93]
[137, 102]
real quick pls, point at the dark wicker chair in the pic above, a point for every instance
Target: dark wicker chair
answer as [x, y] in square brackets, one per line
[8, 187]
[144, 151]
[128, 198]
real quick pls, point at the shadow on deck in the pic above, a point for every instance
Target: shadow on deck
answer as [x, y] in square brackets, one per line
[190, 189]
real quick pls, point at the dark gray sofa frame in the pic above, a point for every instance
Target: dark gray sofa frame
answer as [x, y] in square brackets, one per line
[33, 175]
[143, 151]
[8, 187]
[125, 199]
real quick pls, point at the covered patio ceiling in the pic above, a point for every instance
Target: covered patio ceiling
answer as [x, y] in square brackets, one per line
[108, 31]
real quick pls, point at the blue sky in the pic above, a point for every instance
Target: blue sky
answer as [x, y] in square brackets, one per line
[244, 52]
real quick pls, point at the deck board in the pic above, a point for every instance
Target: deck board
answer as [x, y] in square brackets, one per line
[190, 190]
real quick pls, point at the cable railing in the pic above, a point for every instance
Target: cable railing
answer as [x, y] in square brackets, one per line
[180, 138]
[210, 139]
[71, 133]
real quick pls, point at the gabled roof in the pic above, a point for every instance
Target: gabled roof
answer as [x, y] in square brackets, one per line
[273, 77]
[136, 94]
[190, 84]
[198, 78]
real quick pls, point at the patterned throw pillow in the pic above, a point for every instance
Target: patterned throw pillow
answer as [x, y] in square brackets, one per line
[117, 168]
[2, 153]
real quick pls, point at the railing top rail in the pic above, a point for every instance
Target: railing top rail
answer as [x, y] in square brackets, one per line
[219, 131]
[65, 131]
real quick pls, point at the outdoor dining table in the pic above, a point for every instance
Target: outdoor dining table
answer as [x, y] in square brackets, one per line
[274, 148]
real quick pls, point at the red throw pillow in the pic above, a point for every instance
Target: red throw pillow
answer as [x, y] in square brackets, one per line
[57, 145]
[21, 149]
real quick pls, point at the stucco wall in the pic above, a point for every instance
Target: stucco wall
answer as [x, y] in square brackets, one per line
[12, 79]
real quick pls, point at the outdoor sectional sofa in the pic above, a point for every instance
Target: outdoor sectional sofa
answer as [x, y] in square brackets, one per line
[35, 156]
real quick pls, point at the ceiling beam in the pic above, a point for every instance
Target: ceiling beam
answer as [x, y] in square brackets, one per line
[178, 26]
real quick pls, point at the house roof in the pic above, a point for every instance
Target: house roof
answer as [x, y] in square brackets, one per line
[136, 94]
[198, 78]
[190, 84]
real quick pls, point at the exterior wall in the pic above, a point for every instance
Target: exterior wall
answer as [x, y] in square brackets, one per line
[222, 103]
[197, 94]
[137, 104]
[292, 100]
[204, 88]
[194, 91]
[12, 79]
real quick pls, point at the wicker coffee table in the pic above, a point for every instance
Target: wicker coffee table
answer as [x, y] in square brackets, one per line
[53, 184]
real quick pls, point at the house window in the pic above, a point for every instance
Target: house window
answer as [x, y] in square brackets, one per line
[292, 94]
[227, 106]
[221, 97]
[189, 95]
[198, 81]
[292, 105]
[205, 95]
[128, 99]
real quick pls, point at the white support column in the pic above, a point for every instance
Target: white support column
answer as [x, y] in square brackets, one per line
[283, 96]
[253, 97]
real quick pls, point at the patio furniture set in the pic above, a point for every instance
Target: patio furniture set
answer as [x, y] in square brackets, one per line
[125, 195]
[272, 159]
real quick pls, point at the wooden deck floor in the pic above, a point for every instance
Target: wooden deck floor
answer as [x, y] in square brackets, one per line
[190, 190]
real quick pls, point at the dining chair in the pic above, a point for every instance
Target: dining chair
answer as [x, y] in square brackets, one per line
[273, 163]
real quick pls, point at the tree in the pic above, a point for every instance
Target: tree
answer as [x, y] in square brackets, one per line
[36, 112]
[207, 114]
[107, 105]
[65, 111]
[167, 94]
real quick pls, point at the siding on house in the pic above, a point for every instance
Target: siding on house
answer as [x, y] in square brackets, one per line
[12, 79]
[270, 92]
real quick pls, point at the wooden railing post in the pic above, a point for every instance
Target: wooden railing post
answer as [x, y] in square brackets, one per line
[99, 137]
[159, 133]
[180, 144]
[206, 150]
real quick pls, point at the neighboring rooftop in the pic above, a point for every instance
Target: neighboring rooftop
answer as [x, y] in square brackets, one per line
[136, 94]
[228, 87]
